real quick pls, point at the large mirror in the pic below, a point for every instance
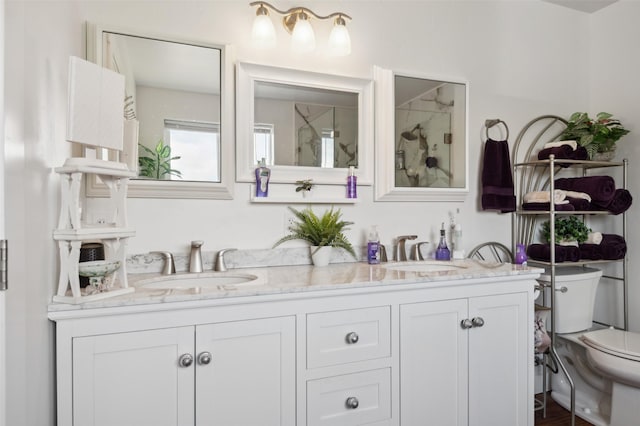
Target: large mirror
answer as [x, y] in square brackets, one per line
[305, 125]
[421, 137]
[178, 99]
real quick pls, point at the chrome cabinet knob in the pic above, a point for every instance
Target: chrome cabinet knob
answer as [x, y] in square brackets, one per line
[352, 337]
[477, 321]
[352, 402]
[204, 358]
[185, 360]
[466, 323]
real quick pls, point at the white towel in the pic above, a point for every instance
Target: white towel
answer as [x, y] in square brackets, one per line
[572, 144]
[559, 197]
[574, 194]
[594, 238]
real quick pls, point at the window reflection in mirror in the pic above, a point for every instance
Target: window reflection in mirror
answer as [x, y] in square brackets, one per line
[305, 126]
[429, 133]
[173, 90]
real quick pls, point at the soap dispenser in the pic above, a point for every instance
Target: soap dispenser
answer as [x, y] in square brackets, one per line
[263, 173]
[442, 251]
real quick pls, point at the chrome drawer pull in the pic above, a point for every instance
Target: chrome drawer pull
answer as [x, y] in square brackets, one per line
[352, 403]
[477, 321]
[204, 358]
[352, 338]
[466, 323]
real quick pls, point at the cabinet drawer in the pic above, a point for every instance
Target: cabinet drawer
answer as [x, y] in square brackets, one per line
[350, 400]
[348, 336]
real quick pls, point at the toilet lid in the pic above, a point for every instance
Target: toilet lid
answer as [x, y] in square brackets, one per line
[620, 343]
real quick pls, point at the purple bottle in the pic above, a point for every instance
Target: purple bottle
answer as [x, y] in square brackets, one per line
[521, 255]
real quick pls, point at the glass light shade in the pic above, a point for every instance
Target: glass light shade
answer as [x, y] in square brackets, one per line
[263, 33]
[339, 40]
[302, 39]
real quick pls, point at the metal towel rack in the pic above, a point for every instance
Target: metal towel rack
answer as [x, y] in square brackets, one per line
[494, 122]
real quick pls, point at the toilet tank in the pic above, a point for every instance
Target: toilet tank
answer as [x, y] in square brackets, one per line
[573, 308]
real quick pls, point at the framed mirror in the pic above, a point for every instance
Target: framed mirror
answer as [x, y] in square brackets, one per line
[305, 125]
[179, 98]
[421, 137]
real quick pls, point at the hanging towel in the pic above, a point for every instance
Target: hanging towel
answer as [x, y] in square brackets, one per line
[497, 180]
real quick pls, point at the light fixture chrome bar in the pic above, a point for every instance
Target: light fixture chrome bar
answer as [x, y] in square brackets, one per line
[299, 9]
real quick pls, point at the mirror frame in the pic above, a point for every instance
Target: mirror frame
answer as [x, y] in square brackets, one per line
[247, 74]
[148, 188]
[385, 189]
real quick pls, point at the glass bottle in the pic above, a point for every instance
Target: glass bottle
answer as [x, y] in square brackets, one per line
[442, 251]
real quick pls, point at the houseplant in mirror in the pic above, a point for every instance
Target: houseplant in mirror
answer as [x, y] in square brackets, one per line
[598, 136]
[157, 163]
[322, 232]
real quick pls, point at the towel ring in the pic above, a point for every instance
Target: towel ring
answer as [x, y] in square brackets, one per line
[490, 123]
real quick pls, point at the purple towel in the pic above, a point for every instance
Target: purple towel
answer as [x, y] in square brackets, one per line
[612, 247]
[547, 206]
[620, 202]
[497, 181]
[579, 204]
[590, 251]
[564, 152]
[563, 253]
[600, 188]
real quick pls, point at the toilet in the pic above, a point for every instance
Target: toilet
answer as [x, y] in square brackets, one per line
[604, 363]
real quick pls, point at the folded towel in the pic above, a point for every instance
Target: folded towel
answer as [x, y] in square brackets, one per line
[575, 194]
[600, 188]
[559, 197]
[572, 144]
[611, 247]
[564, 152]
[547, 206]
[497, 180]
[579, 204]
[562, 253]
[620, 202]
[594, 238]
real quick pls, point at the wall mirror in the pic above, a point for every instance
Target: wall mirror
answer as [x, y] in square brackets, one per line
[180, 93]
[421, 137]
[305, 125]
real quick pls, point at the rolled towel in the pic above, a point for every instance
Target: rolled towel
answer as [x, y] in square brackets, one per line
[572, 144]
[580, 154]
[575, 194]
[560, 152]
[620, 202]
[547, 206]
[543, 252]
[613, 247]
[559, 197]
[594, 238]
[600, 188]
[579, 204]
[590, 251]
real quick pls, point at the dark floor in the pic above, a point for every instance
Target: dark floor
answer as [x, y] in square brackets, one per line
[556, 415]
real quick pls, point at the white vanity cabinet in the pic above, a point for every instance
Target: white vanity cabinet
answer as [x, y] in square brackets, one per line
[232, 373]
[465, 361]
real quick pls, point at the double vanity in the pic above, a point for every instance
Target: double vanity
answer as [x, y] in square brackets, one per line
[406, 343]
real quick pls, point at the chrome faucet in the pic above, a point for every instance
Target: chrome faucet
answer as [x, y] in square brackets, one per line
[220, 265]
[169, 266]
[416, 254]
[401, 253]
[195, 258]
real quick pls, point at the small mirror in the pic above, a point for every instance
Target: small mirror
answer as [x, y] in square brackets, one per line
[421, 141]
[177, 96]
[305, 125]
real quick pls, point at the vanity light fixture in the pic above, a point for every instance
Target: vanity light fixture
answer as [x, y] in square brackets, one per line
[296, 22]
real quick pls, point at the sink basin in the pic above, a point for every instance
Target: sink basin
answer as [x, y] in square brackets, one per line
[424, 266]
[201, 281]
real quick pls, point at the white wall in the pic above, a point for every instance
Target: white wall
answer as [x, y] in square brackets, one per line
[522, 59]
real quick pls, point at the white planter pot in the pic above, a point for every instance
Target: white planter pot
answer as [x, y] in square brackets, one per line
[320, 255]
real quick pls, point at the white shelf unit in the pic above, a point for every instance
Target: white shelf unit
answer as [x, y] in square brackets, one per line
[71, 232]
[531, 174]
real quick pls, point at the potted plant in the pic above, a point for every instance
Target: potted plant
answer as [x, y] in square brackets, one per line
[304, 186]
[158, 164]
[321, 232]
[568, 231]
[597, 136]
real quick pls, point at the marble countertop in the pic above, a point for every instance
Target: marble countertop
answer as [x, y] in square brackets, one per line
[294, 280]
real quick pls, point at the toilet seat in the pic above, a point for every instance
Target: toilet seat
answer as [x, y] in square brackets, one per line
[619, 343]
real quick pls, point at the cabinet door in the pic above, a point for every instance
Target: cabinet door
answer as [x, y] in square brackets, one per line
[250, 380]
[133, 379]
[499, 360]
[433, 364]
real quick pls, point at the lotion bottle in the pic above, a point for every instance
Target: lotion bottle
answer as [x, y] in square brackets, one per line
[352, 183]
[442, 252]
[373, 246]
[263, 173]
